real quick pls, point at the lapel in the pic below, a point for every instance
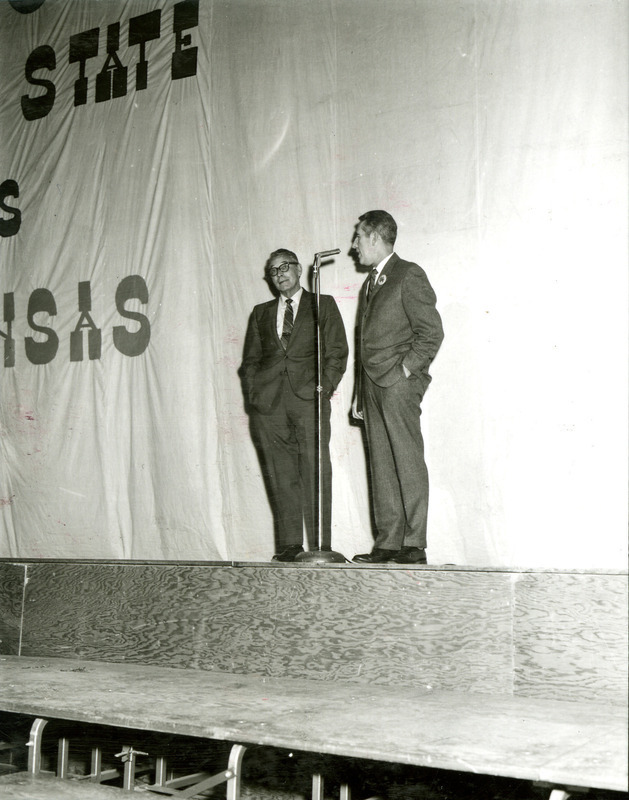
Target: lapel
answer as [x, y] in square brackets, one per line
[271, 322]
[387, 269]
[305, 307]
[363, 292]
[382, 279]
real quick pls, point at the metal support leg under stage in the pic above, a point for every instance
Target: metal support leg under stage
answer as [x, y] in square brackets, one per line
[201, 781]
[317, 789]
[34, 745]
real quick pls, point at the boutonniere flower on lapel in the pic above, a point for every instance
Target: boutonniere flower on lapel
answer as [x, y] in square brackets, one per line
[382, 279]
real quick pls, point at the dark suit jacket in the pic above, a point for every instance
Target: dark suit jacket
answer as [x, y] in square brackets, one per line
[265, 362]
[400, 325]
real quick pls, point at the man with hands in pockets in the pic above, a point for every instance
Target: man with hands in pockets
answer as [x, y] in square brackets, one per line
[399, 332]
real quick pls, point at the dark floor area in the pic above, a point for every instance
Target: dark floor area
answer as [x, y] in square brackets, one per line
[268, 773]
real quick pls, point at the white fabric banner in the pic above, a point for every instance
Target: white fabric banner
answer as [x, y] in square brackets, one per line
[155, 152]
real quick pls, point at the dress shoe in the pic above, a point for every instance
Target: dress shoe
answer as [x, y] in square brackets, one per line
[288, 553]
[410, 555]
[377, 556]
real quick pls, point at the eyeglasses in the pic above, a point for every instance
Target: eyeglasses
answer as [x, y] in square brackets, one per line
[283, 267]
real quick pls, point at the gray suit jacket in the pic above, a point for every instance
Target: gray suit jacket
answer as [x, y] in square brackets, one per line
[265, 362]
[400, 325]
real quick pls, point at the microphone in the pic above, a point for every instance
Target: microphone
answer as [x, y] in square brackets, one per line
[326, 253]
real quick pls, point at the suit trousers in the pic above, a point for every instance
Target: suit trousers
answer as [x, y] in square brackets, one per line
[399, 477]
[287, 439]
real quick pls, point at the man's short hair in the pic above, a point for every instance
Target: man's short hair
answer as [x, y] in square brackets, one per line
[287, 255]
[383, 223]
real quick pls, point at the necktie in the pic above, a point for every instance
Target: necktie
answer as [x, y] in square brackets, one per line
[287, 328]
[372, 282]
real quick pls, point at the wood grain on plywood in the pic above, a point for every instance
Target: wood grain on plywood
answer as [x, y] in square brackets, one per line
[11, 596]
[406, 627]
[571, 636]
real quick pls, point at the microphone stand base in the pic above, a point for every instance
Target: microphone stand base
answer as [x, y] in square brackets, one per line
[320, 557]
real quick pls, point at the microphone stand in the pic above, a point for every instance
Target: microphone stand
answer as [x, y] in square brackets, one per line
[319, 556]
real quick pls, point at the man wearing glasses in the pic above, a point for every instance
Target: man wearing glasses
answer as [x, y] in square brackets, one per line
[279, 375]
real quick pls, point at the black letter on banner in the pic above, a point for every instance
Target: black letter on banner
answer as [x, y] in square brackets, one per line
[9, 227]
[184, 62]
[36, 107]
[26, 6]
[83, 46]
[111, 81]
[132, 344]
[143, 29]
[85, 321]
[41, 352]
[9, 341]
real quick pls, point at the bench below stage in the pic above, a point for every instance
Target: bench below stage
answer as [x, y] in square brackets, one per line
[23, 786]
[578, 744]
